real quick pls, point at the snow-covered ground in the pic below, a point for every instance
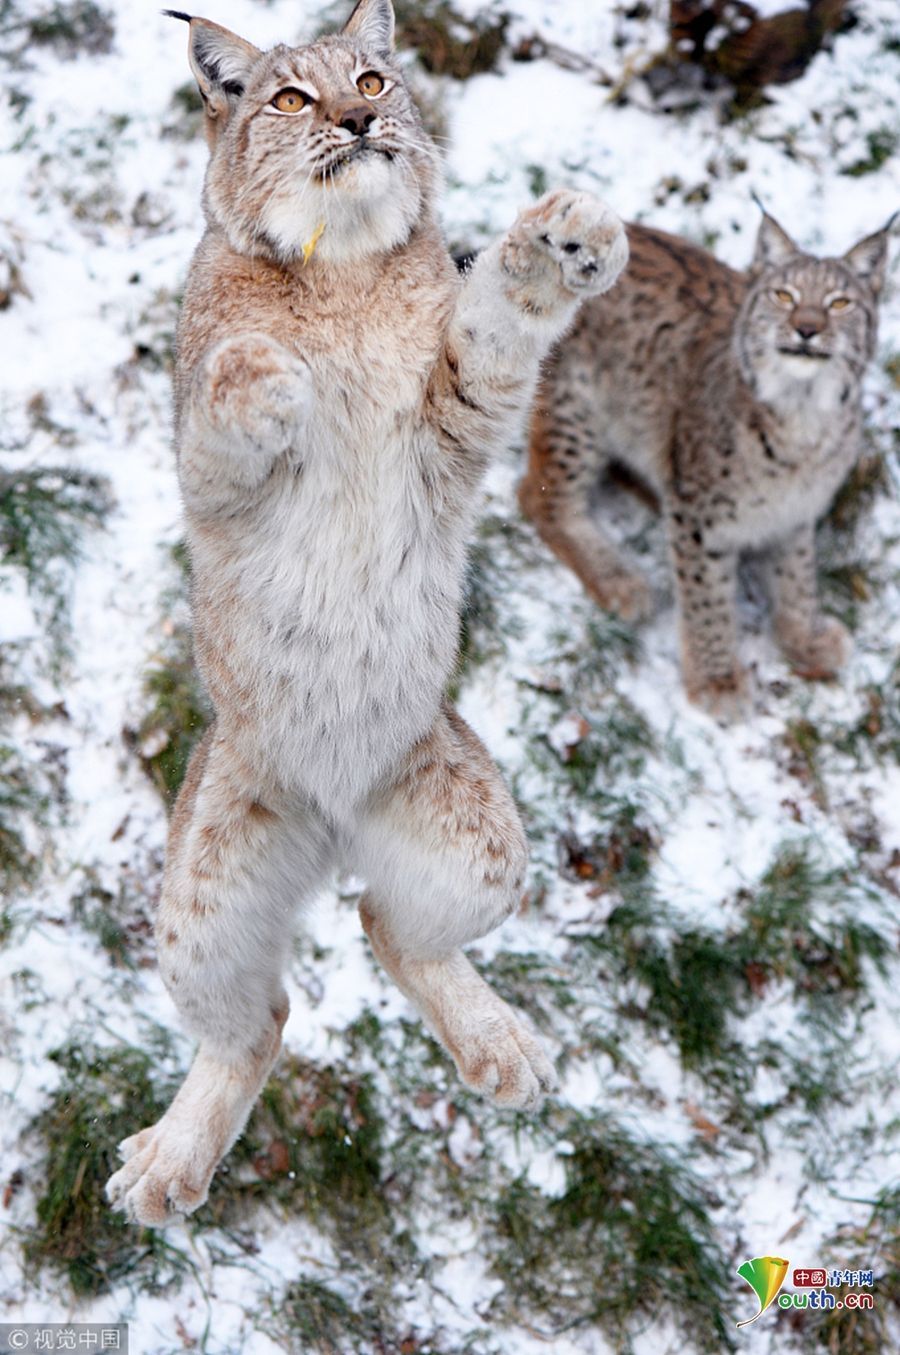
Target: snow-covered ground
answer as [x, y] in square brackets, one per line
[786, 1121]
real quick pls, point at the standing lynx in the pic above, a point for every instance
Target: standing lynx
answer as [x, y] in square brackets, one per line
[338, 390]
[736, 399]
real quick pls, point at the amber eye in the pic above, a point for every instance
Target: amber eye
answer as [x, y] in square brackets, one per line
[840, 303]
[786, 298]
[289, 101]
[370, 84]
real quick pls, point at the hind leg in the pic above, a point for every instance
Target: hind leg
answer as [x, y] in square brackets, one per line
[564, 465]
[444, 855]
[240, 859]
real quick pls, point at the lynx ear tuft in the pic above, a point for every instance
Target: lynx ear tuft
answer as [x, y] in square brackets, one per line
[221, 62]
[868, 258]
[372, 25]
[773, 245]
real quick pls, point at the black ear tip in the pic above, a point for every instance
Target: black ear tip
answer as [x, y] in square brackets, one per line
[177, 14]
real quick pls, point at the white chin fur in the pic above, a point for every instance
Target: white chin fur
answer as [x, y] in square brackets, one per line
[788, 377]
[367, 208]
[800, 364]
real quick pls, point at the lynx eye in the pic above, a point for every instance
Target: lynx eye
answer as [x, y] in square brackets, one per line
[370, 84]
[840, 303]
[289, 101]
[783, 297]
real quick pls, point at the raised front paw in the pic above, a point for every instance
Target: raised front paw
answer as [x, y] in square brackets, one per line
[571, 240]
[166, 1173]
[254, 391]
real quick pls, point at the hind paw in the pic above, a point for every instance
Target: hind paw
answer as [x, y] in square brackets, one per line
[499, 1058]
[165, 1175]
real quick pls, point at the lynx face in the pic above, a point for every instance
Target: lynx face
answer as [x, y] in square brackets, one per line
[807, 320]
[312, 147]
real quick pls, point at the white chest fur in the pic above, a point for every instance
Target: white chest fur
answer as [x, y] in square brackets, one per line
[336, 597]
[797, 453]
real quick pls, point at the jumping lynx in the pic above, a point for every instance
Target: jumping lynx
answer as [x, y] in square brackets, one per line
[736, 399]
[338, 390]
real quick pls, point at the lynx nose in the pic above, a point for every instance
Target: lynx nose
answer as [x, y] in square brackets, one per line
[808, 323]
[357, 120]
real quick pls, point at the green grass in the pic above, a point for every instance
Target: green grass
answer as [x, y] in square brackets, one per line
[316, 1319]
[118, 920]
[619, 855]
[79, 26]
[813, 930]
[616, 739]
[67, 28]
[176, 719]
[800, 926]
[484, 630]
[584, 658]
[867, 480]
[632, 1234]
[875, 735]
[313, 1145]
[448, 42]
[24, 806]
[580, 744]
[103, 1096]
[16, 697]
[178, 709]
[803, 925]
[28, 787]
[881, 145]
[849, 571]
[630, 1238]
[43, 513]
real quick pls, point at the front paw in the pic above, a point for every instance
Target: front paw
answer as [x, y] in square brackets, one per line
[573, 240]
[254, 391]
[820, 656]
[727, 699]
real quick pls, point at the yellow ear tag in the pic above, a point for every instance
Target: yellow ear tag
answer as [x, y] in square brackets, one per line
[311, 244]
